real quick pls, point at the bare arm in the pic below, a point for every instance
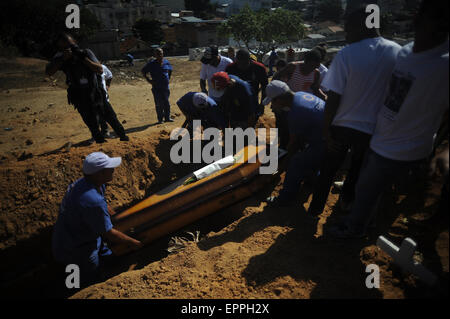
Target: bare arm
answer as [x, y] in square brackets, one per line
[264, 83]
[316, 86]
[88, 58]
[285, 73]
[116, 236]
[440, 163]
[331, 107]
[93, 66]
[111, 211]
[53, 67]
[56, 63]
[144, 74]
[203, 86]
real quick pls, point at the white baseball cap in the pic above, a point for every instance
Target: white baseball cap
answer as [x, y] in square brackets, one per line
[274, 89]
[200, 100]
[97, 161]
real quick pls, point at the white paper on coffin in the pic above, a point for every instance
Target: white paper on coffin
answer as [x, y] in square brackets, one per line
[214, 167]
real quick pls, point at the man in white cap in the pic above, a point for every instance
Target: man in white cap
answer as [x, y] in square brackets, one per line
[84, 220]
[306, 146]
[199, 106]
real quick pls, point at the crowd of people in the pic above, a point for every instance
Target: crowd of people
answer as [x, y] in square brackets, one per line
[379, 103]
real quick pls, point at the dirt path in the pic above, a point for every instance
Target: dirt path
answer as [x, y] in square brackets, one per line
[246, 251]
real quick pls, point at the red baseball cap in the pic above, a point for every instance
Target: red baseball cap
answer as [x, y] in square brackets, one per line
[220, 80]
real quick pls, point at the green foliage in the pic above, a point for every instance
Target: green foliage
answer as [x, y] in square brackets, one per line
[268, 28]
[148, 30]
[31, 25]
[330, 10]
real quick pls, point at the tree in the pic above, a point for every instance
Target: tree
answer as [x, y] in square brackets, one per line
[267, 28]
[148, 30]
[330, 10]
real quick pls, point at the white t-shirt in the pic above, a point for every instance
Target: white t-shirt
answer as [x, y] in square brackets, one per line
[413, 109]
[106, 75]
[207, 71]
[360, 73]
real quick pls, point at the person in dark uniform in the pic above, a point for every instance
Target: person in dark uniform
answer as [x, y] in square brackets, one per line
[83, 77]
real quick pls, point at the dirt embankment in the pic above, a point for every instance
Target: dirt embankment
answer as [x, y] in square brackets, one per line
[248, 250]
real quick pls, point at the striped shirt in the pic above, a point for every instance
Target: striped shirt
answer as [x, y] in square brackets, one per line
[299, 82]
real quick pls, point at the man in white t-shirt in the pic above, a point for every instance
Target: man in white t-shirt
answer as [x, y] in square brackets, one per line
[106, 82]
[212, 62]
[107, 115]
[410, 117]
[356, 83]
[106, 79]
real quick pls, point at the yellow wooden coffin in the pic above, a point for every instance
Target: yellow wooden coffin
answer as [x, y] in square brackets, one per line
[181, 204]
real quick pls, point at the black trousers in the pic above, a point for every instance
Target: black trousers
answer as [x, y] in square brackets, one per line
[348, 138]
[93, 116]
[89, 114]
[108, 116]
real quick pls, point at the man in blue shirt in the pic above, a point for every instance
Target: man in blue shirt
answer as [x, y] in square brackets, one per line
[238, 101]
[199, 106]
[306, 146]
[84, 220]
[130, 59]
[160, 71]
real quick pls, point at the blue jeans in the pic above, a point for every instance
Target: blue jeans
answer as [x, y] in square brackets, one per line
[161, 97]
[376, 174]
[304, 164]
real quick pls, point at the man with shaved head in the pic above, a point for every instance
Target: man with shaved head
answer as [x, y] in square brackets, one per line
[160, 71]
[252, 72]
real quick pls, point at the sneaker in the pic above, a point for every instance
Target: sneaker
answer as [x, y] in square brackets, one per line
[160, 122]
[90, 141]
[343, 232]
[170, 120]
[125, 138]
[100, 140]
[274, 201]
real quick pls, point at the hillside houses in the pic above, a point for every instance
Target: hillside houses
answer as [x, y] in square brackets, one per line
[183, 30]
